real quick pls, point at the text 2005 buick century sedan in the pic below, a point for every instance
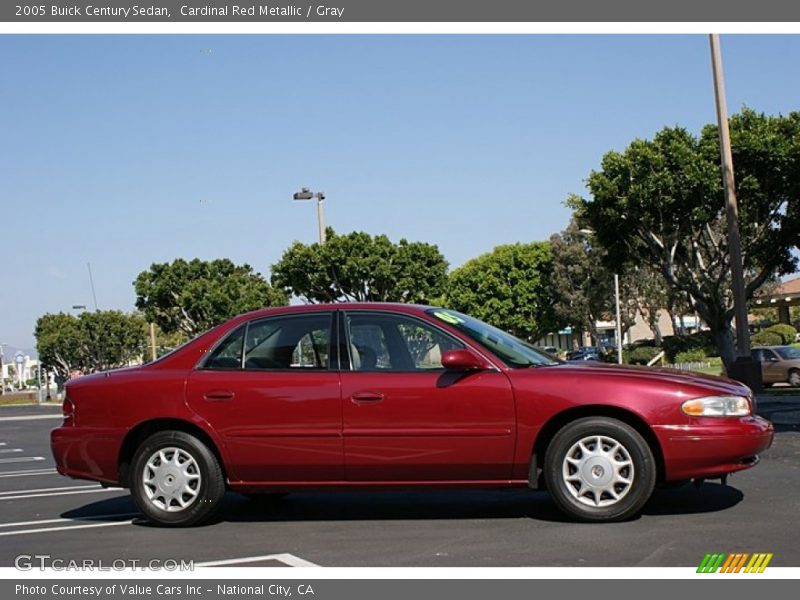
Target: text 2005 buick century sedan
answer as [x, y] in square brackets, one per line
[385, 396]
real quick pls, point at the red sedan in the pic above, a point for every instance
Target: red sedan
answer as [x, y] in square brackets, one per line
[377, 396]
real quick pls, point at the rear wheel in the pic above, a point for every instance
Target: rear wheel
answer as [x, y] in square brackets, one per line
[176, 479]
[599, 469]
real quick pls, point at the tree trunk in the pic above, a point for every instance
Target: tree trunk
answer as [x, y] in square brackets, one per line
[723, 340]
[656, 329]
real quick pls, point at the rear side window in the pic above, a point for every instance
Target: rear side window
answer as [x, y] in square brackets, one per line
[277, 343]
[228, 354]
[296, 342]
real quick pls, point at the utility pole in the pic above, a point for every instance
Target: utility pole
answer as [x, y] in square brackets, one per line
[619, 319]
[91, 283]
[745, 370]
[153, 339]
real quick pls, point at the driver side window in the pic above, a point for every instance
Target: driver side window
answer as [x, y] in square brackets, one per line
[383, 342]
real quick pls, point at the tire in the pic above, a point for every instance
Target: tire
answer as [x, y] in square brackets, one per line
[156, 482]
[794, 378]
[588, 482]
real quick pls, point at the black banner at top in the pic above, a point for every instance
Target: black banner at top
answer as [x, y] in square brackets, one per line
[88, 11]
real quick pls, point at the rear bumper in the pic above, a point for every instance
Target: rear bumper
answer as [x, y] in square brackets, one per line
[87, 453]
[713, 448]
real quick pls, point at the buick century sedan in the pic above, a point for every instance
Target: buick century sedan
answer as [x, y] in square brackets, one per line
[386, 396]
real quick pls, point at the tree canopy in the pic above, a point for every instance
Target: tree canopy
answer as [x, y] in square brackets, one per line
[360, 267]
[94, 341]
[583, 287]
[193, 296]
[509, 287]
[660, 203]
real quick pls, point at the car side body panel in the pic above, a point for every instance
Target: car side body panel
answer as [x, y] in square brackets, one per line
[297, 430]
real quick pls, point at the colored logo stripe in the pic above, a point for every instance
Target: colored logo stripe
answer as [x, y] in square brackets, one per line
[734, 563]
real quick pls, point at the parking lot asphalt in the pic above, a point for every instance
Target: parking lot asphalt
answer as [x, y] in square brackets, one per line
[42, 512]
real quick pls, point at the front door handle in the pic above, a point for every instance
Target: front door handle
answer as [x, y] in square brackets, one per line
[219, 395]
[366, 397]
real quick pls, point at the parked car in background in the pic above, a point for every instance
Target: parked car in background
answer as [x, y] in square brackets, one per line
[779, 364]
[584, 353]
[387, 396]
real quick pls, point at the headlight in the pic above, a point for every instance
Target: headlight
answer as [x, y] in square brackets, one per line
[717, 406]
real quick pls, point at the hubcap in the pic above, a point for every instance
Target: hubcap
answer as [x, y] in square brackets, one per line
[171, 479]
[794, 379]
[598, 471]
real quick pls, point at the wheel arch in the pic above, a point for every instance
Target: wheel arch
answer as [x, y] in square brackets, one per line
[559, 420]
[143, 430]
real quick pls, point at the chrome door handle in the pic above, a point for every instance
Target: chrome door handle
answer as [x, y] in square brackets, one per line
[366, 397]
[219, 395]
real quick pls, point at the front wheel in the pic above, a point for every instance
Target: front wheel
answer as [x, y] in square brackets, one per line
[794, 378]
[176, 479]
[599, 469]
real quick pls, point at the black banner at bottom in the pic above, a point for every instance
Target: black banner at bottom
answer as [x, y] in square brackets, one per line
[385, 589]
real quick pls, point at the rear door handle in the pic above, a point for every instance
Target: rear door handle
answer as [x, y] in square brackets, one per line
[219, 395]
[366, 397]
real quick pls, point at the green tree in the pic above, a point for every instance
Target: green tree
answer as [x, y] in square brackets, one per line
[583, 288]
[95, 341]
[359, 267]
[193, 296]
[110, 339]
[509, 287]
[59, 340]
[660, 203]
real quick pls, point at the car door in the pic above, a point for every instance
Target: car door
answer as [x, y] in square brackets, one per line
[271, 391]
[406, 419]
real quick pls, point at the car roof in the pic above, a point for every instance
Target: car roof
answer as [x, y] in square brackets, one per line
[280, 310]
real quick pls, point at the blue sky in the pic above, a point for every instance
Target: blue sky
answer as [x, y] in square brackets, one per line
[128, 150]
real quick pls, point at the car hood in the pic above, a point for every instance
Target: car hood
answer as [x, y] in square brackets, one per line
[714, 383]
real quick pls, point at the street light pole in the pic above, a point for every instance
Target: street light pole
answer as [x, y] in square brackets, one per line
[618, 319]
[744, 369]
[731, 207]
[2, 380]
[305, 194]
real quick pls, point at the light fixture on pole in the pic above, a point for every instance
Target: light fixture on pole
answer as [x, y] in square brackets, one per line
[306, 194]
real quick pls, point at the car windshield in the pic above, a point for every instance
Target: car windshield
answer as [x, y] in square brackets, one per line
[788, 352]
[512, 351]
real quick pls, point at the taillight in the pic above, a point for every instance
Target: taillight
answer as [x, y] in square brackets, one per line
[67, 408]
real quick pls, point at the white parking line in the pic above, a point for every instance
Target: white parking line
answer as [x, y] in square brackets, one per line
[32, 417]
[7, 450]
[48, 495]
[49, 529]
[76, 519]
[52, 489]
[5, 461]
[28, 473]
[2, 443]
[285, 558]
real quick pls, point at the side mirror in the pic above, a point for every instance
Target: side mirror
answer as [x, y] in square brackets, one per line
[463, 360]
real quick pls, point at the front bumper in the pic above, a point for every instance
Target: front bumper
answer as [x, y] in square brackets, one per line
[87, 453]
[712, 447]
